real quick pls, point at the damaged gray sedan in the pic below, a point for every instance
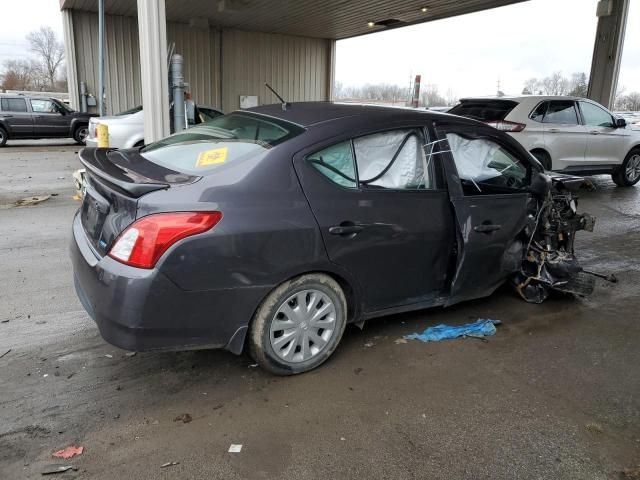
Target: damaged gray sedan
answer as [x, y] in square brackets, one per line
[272, 228]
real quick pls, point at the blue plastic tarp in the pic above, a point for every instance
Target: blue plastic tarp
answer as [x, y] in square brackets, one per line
[482, 327]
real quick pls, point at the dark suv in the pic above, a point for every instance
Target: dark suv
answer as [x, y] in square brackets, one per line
[23, 116]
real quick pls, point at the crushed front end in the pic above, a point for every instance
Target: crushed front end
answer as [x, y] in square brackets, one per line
[549, 261]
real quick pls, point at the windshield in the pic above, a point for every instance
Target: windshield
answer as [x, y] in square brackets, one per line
[130, 111]
[234, 137]
[484, 110]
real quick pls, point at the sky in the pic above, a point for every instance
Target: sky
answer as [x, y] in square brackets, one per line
[466, 54]
[469, 54]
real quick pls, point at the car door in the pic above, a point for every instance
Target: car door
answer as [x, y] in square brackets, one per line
[48, 120]
[16, 116]
[487, 178]
[564, 137]
[382, 214]
[605, 143]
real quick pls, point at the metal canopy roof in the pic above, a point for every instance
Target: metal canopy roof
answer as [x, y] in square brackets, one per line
[334, 19]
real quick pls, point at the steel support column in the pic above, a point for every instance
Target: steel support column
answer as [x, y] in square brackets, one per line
[152, 29]
[607, 52]
[70, 58]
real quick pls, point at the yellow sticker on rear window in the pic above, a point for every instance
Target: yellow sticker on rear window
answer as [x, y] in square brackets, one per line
[212, 157]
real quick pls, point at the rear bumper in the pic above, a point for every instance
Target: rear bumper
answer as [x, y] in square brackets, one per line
[137, 309]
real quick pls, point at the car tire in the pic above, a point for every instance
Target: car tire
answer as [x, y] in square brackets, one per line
[628, 174]
[4, 136]
[543, 157]
[80, 134]
[287, 334]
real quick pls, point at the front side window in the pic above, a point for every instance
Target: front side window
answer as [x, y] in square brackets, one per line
[562, 113]
[336, 163]
[484, 165]
[595, 116]
[394, 160]
[43, 106]
[13, 105]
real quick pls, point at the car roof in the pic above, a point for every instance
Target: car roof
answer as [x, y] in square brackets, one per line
[520, 98]
[307, 114]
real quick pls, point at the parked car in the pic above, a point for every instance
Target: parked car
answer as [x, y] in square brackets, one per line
[566, 134]
[27, 117]
[276, 227]
[126, 129]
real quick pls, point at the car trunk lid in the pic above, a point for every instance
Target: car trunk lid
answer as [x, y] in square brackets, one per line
[115, 181]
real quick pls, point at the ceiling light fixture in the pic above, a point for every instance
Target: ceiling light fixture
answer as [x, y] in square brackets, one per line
[424, 9]
[371, 24]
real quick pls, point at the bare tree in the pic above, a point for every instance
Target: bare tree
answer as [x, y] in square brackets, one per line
[578, 85]
[49, 50]
[555, 84]
[430, 97]
[531, 86]
[20, 75]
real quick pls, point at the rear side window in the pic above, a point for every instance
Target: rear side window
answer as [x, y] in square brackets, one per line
[484, 110]
[13, 105]
[561, 112]
[336, 163]
[538, 113]
[394, 160]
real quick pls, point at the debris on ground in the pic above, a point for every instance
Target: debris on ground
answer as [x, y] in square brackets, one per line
[27, 201]
[369, 345]
[480, 328]
[235, 448]
[130, 354]
[70, 451]
[169, 464]
[51, 469]
[253, 365]
[5, 353]
[184, 418]
[631, 473]
[400, 340]
[5, 321]
[108, 355]
[594, 428]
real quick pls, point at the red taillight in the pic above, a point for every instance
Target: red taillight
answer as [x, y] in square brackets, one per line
[507, 126]
[145, 240]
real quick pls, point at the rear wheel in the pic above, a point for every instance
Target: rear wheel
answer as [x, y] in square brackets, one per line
[3, 137]
[628, 173]
[80, 134]
[543, 157]
[299, 325]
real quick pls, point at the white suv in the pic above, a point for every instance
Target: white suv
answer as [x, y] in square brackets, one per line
[566, 134]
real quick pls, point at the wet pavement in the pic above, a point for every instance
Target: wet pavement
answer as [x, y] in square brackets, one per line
[555, 394]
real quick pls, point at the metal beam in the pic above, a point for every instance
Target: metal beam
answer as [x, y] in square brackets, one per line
[70, 58]
[152, 29]
[101, 52]
[607, 51]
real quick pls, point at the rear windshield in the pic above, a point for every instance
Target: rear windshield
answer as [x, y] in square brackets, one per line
[484, 110]
[228, 138]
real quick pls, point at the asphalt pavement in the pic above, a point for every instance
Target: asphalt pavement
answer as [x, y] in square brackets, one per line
[555, 394]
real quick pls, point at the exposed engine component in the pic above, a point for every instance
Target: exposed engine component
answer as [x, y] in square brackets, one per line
[549, 261]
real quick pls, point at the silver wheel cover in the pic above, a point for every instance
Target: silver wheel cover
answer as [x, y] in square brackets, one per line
[303, 326]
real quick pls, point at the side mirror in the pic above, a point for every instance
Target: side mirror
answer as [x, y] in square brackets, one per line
[621, 123]
[540, 185]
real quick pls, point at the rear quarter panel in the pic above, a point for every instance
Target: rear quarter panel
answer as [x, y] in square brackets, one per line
[266, 236]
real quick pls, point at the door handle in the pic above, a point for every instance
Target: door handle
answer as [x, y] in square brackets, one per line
[554, 130]
[345, 230]
[486, 228]
[594, 132]
[6, 116]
